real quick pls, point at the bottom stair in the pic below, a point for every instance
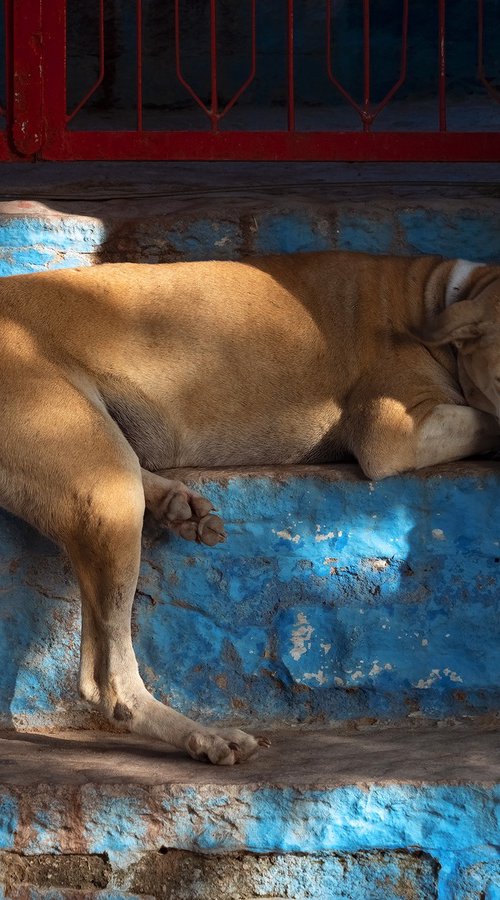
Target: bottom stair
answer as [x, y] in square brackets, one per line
[359, 812]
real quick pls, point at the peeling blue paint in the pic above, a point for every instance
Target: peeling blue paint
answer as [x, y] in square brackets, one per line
[113, 822]
[374, 234]
[444, 820]
[65, 232]
[473, 879]
[42, 240]
[203, 238]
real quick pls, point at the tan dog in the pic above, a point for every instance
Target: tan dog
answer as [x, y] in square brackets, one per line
[110, 374]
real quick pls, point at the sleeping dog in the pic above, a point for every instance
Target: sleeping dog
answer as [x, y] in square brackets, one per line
[113, 374]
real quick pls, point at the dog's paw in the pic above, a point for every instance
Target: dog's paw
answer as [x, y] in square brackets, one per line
[189, 515]
[225, 747]
[208, 530]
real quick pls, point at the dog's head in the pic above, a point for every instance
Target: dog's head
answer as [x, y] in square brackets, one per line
[473, 327]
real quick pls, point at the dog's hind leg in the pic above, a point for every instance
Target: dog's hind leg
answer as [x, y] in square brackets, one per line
[66, 467]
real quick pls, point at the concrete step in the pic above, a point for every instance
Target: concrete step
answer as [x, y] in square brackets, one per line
[324, 814]
[80, 213]
[333, 599]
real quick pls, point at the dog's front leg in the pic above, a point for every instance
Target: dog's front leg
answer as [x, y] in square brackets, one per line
[390, 439]
[453, 432]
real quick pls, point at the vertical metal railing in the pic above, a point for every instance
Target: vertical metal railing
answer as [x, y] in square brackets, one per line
[366, 111]
[102, 67]
[40, 124]
[291, 66]
[5, 60]
[26, 131]
[213, 111]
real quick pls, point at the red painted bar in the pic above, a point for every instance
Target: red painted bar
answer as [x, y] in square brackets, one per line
[306, 146]
[6, 55]
[213, 112]
[5, 151]
[336, 83]
[178, 65]
[54, 72]
[403, 65]
[26, 121]
[366, 113]
[214, 95]
[253, 65]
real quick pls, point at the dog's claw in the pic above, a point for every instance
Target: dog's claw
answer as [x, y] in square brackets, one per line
[202, 507]
[236, 750]
[211, 530]
[188, 531]
[263, 741]
[225, 748]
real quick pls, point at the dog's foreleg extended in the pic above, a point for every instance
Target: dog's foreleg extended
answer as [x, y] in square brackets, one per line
[453, 432]
[392, 440]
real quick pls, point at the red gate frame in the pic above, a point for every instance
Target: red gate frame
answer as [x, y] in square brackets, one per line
[37, 118]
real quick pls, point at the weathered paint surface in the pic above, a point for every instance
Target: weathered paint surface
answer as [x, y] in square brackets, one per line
[333, 598]
[455, 826]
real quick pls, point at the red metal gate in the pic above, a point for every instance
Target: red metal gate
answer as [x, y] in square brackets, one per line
[38, 123]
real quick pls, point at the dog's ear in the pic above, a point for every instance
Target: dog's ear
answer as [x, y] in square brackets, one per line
[460, 322]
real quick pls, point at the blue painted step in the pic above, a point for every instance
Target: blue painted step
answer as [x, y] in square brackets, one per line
[333, 599]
